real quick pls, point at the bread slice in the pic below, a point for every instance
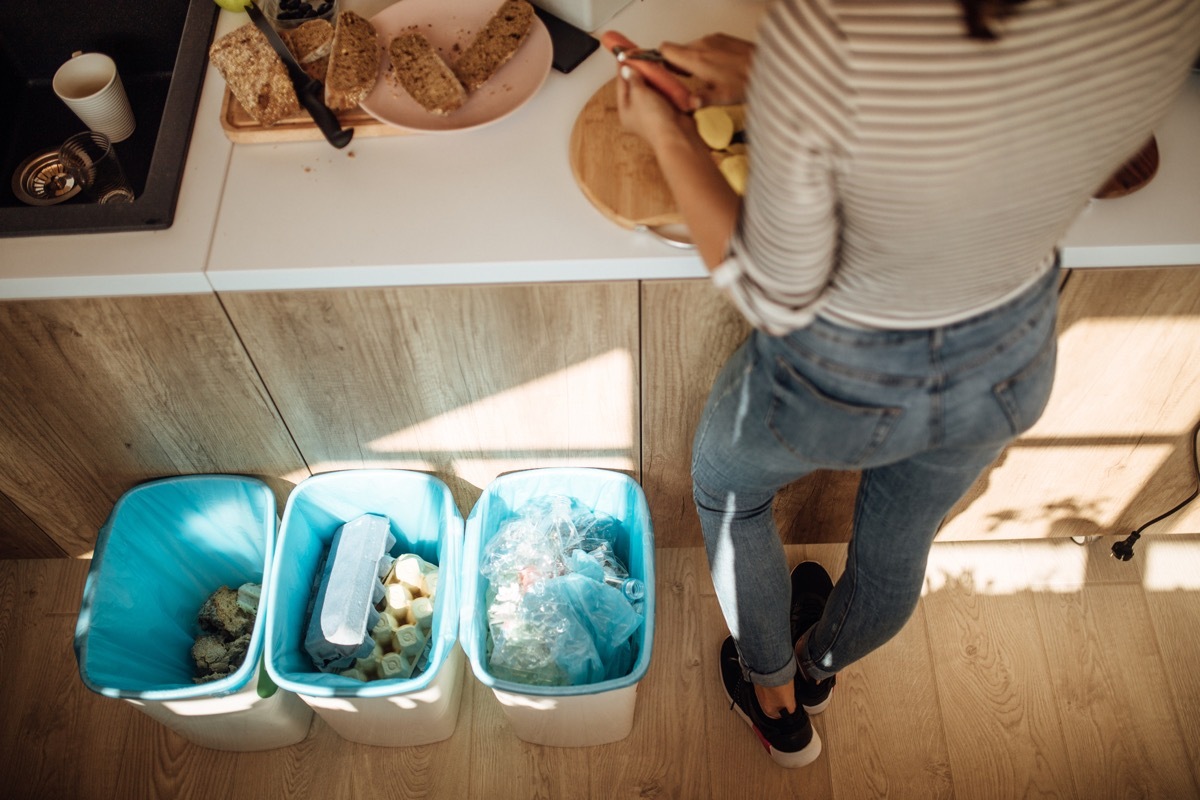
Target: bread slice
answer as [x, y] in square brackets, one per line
[353, 62]
[255, 74]
[495, 44]
[310, 43]
[422, 73]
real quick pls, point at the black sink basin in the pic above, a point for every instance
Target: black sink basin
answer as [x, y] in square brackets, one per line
[161, 50]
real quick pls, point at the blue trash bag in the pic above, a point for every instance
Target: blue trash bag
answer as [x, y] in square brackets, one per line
[166, 546]
[595, 642]
[622, 535]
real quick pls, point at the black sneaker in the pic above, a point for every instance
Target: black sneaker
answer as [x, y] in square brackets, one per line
[790, 740]
[811, 587]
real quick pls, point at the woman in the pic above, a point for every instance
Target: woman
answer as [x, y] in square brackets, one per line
[913, 167]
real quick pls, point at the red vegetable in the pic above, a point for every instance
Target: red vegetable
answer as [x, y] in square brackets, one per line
[658, 76]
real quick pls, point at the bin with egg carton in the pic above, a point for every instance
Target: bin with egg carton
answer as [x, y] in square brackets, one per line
[166, 546]
[351, 543]
[561, 715]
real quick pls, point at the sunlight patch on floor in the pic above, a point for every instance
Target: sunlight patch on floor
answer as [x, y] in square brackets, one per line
[1057, 565]
[1171, 563]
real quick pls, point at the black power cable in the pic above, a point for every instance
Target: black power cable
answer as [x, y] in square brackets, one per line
[1124, 550]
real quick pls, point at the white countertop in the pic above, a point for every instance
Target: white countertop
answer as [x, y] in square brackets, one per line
[493, 205]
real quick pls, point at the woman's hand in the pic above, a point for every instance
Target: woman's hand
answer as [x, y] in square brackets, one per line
[708, 205]
[644, 111]
[720, 63]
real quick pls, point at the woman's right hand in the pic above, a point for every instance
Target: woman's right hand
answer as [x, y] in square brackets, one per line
[719, 62]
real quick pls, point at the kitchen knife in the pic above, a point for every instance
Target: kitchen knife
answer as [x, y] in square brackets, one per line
[309, 90]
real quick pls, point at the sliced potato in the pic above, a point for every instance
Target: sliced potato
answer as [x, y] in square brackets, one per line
[737, 113]
[715, 126]
[736, 169]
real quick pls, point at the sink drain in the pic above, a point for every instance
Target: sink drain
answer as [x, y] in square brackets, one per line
[43, 180]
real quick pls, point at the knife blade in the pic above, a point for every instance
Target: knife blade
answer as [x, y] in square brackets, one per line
[309, 90]
[648, 54]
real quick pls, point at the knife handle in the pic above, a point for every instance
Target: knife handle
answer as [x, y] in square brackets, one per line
[326, 120]
[309, 91]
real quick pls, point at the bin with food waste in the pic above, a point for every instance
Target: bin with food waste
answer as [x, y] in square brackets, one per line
[158, 594]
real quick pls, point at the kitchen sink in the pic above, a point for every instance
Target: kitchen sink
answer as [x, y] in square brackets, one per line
[161, 51]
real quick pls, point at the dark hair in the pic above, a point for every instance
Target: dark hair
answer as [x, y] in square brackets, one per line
[977, 13]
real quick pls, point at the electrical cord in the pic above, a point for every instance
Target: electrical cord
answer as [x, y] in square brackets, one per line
[1124, 550]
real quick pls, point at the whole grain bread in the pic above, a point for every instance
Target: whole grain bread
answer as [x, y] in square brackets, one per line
[422, 73]
[353, 62]
[310, 43]
[255, 74]
[495, 45]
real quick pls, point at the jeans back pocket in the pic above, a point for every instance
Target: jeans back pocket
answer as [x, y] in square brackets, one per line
[823, 429]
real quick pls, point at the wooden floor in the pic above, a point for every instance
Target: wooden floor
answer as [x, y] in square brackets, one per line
[1034, 669]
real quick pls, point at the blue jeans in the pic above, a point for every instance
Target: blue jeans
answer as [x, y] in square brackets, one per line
[920, 413]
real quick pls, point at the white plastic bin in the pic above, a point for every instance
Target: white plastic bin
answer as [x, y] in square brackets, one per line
[424, 519]
[166, 547]
[564, 716]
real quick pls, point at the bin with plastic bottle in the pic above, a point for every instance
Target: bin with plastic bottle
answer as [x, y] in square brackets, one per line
[558, 601]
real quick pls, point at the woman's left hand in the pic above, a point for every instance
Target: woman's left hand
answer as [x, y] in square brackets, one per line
[708, 205]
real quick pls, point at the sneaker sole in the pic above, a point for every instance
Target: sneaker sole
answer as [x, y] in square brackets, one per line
[801, 758]
[819, 707]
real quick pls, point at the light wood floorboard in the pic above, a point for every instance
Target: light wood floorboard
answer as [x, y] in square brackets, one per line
[1029, 669]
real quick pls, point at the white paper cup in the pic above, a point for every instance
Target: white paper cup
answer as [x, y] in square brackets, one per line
[90, 86]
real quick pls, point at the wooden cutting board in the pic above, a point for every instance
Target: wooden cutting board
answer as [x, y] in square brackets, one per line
[616, 170]
[1134, 174]
[240, 127]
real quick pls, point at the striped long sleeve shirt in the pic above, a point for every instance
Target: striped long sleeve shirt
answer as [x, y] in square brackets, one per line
[905, 176]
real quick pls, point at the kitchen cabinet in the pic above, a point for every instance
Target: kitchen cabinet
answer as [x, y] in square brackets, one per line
[1114, 447]
[465, 382]
[99, 394]
[20, 537]
[469, 382]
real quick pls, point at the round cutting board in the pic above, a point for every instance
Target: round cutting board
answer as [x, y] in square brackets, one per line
[1134, 174]
[616, 170]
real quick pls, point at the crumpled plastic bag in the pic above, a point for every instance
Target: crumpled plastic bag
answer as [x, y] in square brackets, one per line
[557, 612]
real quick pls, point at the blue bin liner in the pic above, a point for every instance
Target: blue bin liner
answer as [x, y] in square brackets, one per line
[601, 491]
[167, 545]
[423, 518]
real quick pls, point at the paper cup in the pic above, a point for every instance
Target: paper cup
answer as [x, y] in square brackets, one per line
[90, 86]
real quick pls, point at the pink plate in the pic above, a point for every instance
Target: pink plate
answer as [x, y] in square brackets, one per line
[447, 23]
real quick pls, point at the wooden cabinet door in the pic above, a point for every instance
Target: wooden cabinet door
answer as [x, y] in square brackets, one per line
[465, 382]
[20, 537]
[1114, 447]
[689, 330]
[99, 394]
